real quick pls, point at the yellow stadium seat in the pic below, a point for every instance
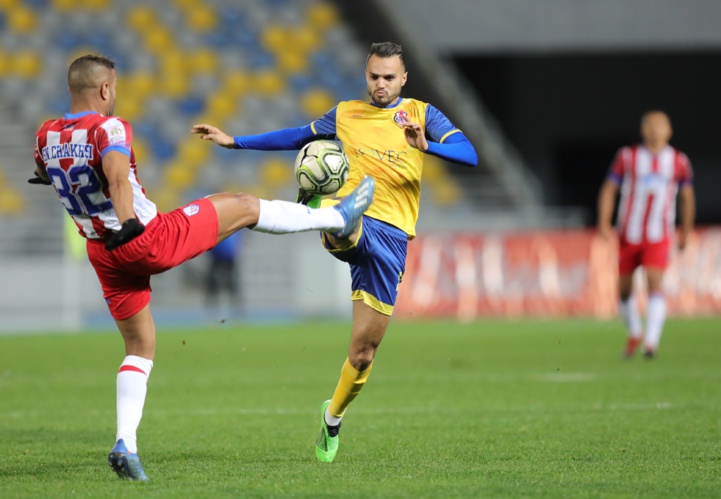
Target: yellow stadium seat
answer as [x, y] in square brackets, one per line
[172, 62]
[142, 19]
[292, 62]
[185, 4]
[276, 38]
[316, 102]
[200, 18]
[322, 15]
[141, 84]
[96, 5]
[64, 5]
[174, 85]
[235, 83]
[5, 64]
[165, 198]
[9, 4]
[11, 202]
[193, 153]
[221, 106]
[276, 172]
[203, 61]
[306, 38]
[140, 147]
[26, 64]
[128, 107]
[269, 83]
[257, 190]
[21, 20]
[158, 40]
[178, 176]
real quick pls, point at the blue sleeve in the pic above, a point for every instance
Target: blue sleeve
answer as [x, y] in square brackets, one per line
[118, 148]
[615, 178]
[290, 138]
[279, 140]
[456, 148]
[324, 128]
[437, 125]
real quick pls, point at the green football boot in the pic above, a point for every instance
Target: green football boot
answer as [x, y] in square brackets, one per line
[327, 444]
[308, 199]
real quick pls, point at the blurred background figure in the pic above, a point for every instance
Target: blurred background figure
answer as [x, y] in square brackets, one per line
[649, 176]
[222, 281]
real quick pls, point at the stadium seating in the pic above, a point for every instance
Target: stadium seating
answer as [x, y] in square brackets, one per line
[247, 67]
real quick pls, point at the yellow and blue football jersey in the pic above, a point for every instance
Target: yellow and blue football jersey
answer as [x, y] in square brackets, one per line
[376, 145]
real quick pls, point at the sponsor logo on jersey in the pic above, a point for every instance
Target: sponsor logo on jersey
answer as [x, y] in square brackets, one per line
[67, 150]
[191, 209]
[401, 117]
[387, 156]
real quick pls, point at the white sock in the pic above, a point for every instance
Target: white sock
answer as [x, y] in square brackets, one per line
[132, 382]
[629, 314]
[283, 217]
[331, 420]
[655, 317]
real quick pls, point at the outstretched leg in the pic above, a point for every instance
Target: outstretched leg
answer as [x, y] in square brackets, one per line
[236, 211]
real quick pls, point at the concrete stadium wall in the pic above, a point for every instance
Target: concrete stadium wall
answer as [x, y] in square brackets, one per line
[473, 26]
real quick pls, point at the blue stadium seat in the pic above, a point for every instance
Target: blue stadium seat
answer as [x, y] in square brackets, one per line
[162, 149]
[191, 105]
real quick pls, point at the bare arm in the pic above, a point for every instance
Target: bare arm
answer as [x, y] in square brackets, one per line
[688, 214]
[116, 166]
[214, 134]
[606, 202]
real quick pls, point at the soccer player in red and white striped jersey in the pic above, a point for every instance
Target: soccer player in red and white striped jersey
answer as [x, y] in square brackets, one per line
[649, 176]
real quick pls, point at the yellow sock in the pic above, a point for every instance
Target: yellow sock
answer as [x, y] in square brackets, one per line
[350, 384]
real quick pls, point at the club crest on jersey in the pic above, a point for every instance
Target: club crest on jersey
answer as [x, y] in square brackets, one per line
[116, 134]
[191, 209]
[401, 117]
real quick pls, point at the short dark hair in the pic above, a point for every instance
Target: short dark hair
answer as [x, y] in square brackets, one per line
[82, 67]
[387, 49]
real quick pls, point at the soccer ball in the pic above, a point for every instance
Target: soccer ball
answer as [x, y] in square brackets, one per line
[321, 167]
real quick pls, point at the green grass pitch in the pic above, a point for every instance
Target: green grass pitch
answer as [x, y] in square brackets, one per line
[488, 409]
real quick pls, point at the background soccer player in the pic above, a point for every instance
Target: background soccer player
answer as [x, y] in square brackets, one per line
[87, 156]
[650, 176]
[386, 139]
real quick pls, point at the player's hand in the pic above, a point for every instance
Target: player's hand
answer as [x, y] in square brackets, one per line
[37, 179]
[415, 136]
[606, 232]
[130, 229]
[214, 134]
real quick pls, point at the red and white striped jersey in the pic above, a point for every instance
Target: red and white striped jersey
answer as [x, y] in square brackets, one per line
[649, 184]
[71, 150]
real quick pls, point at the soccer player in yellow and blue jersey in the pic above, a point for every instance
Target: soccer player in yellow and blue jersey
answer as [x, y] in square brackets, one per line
[386, 139]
